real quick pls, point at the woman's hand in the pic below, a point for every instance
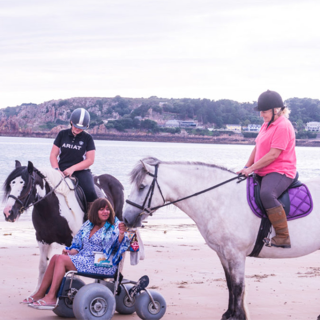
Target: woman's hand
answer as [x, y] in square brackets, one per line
[122, 228]
[71, 252]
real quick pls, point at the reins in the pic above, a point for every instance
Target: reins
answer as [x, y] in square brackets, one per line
[149, 210]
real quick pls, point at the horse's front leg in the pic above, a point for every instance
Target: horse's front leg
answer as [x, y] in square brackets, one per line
[234, 269]
[43, 262]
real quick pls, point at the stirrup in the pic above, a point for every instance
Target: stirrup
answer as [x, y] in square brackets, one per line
[267, 242]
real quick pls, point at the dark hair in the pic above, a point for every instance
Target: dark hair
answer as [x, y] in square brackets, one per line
[96, 206]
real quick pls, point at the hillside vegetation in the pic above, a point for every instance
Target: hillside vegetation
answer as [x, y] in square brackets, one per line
[131, 115]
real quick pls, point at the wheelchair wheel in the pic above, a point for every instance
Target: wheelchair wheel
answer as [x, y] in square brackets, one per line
[145, 308]
[123, 303]
[94, 301]
[65, 304]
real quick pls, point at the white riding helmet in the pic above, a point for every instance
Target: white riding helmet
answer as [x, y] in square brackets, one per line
[80, 118]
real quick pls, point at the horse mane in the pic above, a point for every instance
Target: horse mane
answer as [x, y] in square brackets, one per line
[139, 172]
[53, 177]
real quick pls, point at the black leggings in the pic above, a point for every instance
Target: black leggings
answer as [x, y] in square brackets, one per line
[86, 183]
[272, 186]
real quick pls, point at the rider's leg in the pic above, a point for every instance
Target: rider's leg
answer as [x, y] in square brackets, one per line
[272, 186]
[87, 184]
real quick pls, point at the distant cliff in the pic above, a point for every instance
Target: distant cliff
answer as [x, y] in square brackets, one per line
[144, 119]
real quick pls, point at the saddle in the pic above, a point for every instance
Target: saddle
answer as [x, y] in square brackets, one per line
[296, 200]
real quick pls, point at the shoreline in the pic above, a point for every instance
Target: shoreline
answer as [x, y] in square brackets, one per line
[236, 139]
[182, 268]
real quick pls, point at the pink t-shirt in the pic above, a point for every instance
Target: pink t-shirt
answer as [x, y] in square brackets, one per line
[279, 135]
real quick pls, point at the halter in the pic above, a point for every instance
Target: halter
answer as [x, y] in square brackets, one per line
[24, 205]
[150, 209]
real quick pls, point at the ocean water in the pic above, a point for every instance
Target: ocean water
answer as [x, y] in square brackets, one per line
[119, 157]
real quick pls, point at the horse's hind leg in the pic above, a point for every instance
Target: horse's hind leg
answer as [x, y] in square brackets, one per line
[43, 262]
[234, 271]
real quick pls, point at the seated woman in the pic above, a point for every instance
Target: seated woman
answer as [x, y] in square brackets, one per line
[103, 232]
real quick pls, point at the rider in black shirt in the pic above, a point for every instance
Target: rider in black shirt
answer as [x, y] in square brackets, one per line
[75, 150]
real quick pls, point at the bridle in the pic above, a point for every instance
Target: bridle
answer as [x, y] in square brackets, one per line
[24, 204]
[149, 210]
[149, 195]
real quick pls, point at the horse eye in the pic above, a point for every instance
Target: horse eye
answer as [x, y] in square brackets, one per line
[142, 186]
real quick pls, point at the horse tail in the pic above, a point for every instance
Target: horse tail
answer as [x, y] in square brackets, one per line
[113, 190]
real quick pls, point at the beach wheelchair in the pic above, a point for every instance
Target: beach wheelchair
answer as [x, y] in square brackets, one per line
[100, 300]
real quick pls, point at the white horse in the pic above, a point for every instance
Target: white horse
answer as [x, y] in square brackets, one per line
[222, 215]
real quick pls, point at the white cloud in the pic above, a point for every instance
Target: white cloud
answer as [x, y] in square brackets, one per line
[199, 49]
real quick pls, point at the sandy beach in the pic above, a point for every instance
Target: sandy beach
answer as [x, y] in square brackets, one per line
[184, 270]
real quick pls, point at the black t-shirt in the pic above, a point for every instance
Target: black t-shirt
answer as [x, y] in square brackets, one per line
[73, 148]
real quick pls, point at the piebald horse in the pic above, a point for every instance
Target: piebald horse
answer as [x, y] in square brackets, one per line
[56, 215]
[222, 216]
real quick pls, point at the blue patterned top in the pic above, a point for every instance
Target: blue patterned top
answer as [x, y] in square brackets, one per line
[104, 240]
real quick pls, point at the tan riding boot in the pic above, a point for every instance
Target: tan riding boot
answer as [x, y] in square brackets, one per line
[278, 218]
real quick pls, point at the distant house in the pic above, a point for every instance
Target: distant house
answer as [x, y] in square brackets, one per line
[254, 127]
[313, 126]
[187, 124]
[172, 124]
[233, 127]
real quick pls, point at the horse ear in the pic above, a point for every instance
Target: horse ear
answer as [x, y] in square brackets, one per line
[147, 167]
[18, 164]
[30, 167]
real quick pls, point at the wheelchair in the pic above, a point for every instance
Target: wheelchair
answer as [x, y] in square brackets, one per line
[100, 300]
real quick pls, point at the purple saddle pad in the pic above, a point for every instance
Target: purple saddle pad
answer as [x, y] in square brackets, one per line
[300, 201]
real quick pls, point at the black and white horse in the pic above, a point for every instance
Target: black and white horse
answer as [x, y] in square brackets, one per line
[56, 214]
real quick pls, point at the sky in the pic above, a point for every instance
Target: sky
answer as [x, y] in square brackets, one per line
[213, 49]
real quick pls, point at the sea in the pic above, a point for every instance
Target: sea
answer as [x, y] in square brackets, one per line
[118, 158]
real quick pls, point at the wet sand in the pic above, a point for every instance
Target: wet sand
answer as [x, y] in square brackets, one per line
[182, 268]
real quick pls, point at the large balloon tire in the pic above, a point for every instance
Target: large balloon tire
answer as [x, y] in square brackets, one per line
[145, 308]
[64, 308]
[123, 303]
[94, 301]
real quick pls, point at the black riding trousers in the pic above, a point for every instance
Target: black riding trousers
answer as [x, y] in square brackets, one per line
[86, 183]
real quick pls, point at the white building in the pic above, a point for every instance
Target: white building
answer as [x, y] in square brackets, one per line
[254, 127]
[313, 126]
[233, 127]
[172, 124]
[187, 124]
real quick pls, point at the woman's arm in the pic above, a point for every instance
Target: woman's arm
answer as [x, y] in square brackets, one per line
[54, 156]
[268, 158]
[251, 158]
[85, 164]
[71, 252]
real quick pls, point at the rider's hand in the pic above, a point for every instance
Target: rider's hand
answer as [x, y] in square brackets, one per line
[68, 172]
[245, 171]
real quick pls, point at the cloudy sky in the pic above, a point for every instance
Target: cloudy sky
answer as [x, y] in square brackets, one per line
[215, 49]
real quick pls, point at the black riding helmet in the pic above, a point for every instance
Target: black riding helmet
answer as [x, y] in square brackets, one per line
[80, 118]
[269, 100]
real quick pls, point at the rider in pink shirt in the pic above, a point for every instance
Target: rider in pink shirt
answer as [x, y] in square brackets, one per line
[273, 159]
